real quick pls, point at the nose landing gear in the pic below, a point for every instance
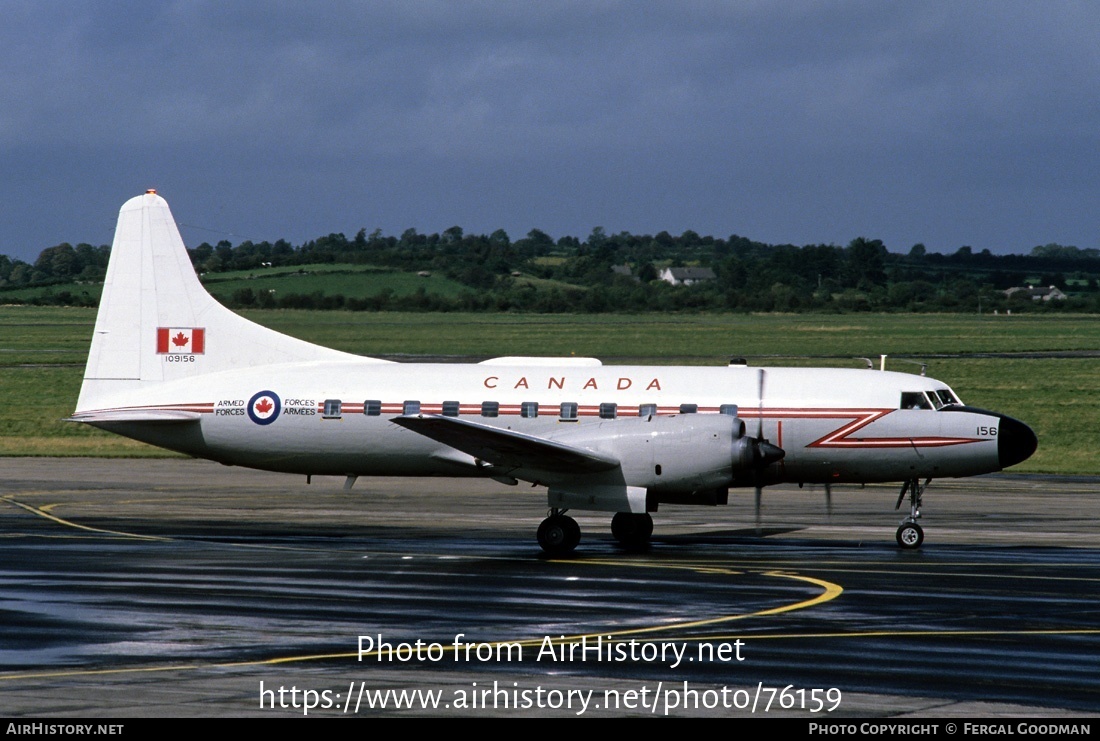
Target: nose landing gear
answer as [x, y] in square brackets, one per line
[910, 535]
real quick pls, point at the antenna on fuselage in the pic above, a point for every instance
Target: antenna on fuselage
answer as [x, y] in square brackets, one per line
[923, 365]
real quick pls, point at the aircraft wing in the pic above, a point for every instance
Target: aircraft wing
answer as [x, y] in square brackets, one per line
[506, 448]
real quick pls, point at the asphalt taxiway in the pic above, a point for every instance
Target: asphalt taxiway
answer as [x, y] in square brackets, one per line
[177, 588]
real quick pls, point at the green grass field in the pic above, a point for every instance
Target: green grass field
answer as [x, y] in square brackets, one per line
[42, 352]
[350, 281]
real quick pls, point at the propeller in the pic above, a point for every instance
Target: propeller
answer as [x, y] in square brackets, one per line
[753, 454]
[763, 452]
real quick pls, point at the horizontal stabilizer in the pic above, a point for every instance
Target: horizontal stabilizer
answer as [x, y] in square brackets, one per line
[163, 416]
[506, 448]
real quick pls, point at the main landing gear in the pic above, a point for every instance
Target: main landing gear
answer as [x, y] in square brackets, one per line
[910, 535]
[632, 530]
[558, 534]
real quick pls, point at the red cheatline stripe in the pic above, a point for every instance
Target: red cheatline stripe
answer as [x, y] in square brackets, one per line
[838, 438]
[896, 442]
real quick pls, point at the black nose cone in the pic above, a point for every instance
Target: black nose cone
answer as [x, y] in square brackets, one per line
[1015, 442]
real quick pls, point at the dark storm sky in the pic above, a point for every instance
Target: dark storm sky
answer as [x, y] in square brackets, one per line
[947, 123]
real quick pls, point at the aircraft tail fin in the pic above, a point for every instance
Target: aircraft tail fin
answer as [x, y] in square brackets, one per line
[158, 323]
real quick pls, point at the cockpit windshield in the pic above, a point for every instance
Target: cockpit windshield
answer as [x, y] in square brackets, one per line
[927, 399]
[914, 400]
[946, 397]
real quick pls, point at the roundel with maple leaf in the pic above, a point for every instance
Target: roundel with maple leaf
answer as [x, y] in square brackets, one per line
[264, 407]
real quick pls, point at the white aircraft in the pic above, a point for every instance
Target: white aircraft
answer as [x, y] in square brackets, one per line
[170, 366]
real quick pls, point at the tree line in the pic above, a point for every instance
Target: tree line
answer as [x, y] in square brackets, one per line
[621, 272]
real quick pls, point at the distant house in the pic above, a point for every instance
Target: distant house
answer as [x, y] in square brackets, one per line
[686, 276]
[1050, 293]
[626, 272]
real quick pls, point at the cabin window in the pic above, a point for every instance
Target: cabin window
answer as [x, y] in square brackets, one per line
[647, 410]
[410, 407]
[372, 407]
[450, 409]
[914, 400]
[728, 409]
[609, 410]
[331, 409]
[529, 409]
[568, 411]
[490, 408]
[689, 408]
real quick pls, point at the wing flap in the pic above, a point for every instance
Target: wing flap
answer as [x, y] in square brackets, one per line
[506, 448]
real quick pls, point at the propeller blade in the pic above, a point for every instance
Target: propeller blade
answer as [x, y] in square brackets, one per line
[764, 453]
[759, 531]
[760, 404]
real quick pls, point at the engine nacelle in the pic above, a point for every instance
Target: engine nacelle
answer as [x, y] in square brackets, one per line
[681, 453]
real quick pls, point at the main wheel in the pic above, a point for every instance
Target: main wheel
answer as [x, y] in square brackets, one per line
[559, 535]
[632, 530]
[910, 535]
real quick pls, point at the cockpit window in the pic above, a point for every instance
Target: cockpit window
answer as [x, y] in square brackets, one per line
[914, 400]
[947, 397]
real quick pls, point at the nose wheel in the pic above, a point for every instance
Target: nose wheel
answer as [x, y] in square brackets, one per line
[910, 535]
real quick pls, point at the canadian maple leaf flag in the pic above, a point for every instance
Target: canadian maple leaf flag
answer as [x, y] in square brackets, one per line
[187, 340]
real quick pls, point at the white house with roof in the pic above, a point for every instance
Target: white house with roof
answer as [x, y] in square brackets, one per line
[1048, 293]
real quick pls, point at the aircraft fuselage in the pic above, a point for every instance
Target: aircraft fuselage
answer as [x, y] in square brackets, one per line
[335, 418]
